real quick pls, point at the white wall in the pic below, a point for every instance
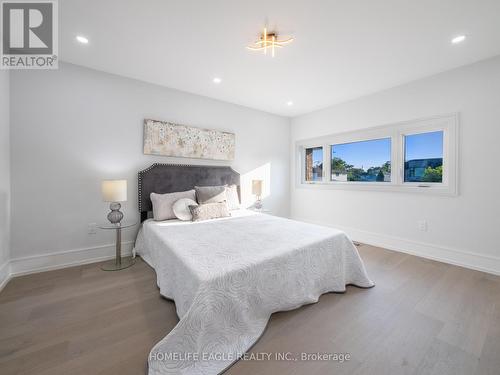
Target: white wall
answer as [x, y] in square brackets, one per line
[463, 229]
[74, 126]
[4, 176]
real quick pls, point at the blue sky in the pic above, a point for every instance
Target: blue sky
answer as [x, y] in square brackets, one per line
[364, 154]
[376, 152]
[317, 155]
[424, 146]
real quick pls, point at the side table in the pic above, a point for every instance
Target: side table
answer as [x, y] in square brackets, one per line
[118, 263]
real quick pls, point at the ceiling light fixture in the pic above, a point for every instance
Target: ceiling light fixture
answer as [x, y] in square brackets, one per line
[217, 80]
[82, 39]
[458, 39]
[269, 40]
[289, 103]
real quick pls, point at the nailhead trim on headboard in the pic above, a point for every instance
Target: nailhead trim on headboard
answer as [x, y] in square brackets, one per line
[224, 172]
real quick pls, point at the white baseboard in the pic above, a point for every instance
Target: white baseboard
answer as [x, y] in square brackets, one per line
[467, 259]
[4, 274]
[63, 259]
[57, 260]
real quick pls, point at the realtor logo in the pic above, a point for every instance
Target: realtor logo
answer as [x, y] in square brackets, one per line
[29, 34]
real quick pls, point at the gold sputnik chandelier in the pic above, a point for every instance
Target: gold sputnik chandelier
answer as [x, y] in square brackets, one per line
[269, 40]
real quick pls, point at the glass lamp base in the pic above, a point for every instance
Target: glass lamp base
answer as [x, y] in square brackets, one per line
[258, 204]
[113, 265]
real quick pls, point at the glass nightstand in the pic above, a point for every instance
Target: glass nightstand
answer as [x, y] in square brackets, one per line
[119, 263]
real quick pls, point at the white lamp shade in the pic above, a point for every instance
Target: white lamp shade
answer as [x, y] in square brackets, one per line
[114, 190]
[257, 187]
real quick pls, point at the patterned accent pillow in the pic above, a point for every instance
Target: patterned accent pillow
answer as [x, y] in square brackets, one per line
[163, 203]
[233, 201]
[210, 194]
[209, 211]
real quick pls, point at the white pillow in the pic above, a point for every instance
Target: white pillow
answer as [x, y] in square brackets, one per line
[181, 209]
[162, 203]
[232, 199]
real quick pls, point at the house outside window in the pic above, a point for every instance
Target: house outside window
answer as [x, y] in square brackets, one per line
[314, 164]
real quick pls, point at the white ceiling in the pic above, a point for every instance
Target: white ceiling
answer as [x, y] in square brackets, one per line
[343, 48]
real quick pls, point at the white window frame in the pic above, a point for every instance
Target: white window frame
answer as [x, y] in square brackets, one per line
[396, 132]
[303, 163]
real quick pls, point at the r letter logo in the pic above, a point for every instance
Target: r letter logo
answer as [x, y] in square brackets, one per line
[29, 34]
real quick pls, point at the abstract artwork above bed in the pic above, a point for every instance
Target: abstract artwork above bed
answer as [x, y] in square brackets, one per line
[169, 139]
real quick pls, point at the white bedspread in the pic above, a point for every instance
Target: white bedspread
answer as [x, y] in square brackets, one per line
[228, 276]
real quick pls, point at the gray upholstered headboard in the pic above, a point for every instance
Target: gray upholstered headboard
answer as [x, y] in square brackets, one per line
[169, 178]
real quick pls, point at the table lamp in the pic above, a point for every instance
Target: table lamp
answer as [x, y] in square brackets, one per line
[114, 191]
[257, 191]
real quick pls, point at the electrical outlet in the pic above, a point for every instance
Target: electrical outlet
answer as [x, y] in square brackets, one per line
[422, 225]
[92, 228]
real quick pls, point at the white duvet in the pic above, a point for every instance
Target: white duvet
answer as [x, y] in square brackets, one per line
[228, 276]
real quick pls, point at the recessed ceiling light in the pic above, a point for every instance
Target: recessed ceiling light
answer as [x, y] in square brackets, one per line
[82, 39]
[458, 39]
[217, 80]
[289, 103]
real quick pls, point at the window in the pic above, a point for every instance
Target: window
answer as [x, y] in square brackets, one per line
[424, 157]
[363, 161]
[417, 156]
[314, 164]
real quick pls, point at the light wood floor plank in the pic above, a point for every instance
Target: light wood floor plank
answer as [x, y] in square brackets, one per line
[423, 317]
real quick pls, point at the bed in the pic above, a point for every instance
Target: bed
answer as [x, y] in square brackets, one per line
[227, 276]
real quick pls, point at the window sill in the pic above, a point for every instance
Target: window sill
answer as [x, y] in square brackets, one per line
[381, 187]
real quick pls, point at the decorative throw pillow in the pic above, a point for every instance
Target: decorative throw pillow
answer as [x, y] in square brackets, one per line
[210, 194]
[181, 209]
[233, 201]
[209, 211]
[162, 203]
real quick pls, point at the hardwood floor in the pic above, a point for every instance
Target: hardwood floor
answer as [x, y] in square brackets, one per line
[423, 317]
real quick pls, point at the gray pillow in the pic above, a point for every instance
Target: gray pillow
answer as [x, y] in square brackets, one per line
[163, 203]
[209, 211]
[210, 194]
